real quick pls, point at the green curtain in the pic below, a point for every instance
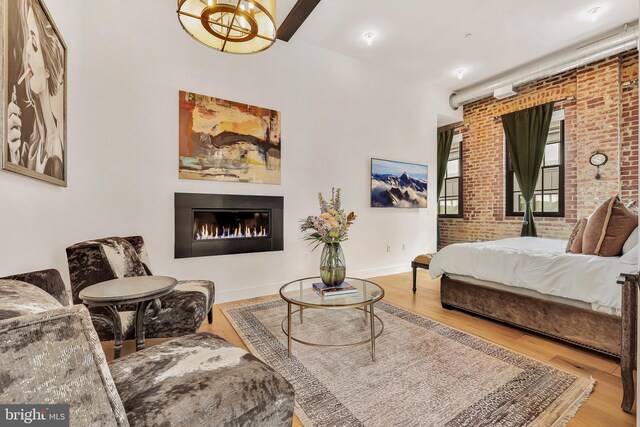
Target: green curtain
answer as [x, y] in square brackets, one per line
[444, 148]
[526, 133]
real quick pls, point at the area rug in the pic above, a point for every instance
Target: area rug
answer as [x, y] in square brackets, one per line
[425, 373]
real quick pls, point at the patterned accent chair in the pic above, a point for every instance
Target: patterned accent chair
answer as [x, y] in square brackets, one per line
[95, 261]
[51, 354]
[49, 281]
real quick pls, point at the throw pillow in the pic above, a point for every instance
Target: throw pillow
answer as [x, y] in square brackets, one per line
[574, 245]
[631, 257]
[596, 228]
[621, 224]
[138, 244]
[122, 257]
[632, 241]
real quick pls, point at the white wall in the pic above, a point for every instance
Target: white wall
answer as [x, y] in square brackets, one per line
[126, 66]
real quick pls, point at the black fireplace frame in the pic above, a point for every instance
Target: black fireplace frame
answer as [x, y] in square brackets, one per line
[187, 203]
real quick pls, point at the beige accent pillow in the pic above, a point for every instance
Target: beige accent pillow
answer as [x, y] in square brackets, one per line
[574, 245]
[596, 228]
[621, 224]
[632, 241]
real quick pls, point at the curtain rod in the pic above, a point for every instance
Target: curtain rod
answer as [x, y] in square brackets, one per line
[567, 99]
[452, 126]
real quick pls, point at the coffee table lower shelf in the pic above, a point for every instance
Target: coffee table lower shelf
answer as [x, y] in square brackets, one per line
[369, 318]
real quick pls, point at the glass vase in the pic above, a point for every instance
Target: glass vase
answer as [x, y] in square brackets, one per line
[332, 266]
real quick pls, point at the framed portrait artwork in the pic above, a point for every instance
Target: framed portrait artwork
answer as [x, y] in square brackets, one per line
[34, 92]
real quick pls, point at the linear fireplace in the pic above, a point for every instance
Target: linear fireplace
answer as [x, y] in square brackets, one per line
[220, 224]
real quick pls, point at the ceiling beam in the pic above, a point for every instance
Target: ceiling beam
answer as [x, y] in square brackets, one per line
[300, 11]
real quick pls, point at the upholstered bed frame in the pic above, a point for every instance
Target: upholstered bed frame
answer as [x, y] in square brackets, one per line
[604, 333]
[587, 328]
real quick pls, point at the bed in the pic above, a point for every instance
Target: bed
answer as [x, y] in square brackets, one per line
[532, 283]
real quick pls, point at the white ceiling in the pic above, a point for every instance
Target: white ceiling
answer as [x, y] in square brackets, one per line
[425, 39]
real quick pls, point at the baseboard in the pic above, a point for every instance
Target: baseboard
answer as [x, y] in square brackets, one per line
[381, 271]
[248, 292]
[274, 288]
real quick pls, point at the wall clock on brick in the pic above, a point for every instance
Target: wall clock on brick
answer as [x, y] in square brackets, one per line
[598, 159]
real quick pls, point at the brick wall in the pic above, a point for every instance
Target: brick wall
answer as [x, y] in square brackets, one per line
[600, 102]
[629, 128]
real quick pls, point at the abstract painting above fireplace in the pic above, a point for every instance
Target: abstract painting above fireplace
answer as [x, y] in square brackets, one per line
[223, 140]
[223, 224]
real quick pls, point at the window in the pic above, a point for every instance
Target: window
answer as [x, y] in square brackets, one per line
[450, 203]
[548, 199]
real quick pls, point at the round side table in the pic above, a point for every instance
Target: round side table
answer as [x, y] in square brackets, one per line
[141, 291]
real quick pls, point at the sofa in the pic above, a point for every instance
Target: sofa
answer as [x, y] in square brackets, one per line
[51, 354]
[94, 261]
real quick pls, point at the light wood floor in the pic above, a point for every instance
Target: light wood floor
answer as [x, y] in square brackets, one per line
[601, 409]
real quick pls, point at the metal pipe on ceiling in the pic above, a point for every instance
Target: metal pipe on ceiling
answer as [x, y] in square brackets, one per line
[623, 40]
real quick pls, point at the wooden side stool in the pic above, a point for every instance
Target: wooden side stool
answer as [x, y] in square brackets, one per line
[421, 261]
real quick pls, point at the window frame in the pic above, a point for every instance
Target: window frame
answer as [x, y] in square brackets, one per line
[509, 178]
[457, 138]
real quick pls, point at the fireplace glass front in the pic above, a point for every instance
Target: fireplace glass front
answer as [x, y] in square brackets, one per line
[226, 224]
[230, 224]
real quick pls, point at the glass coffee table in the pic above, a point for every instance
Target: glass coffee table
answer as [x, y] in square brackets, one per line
[300, 293]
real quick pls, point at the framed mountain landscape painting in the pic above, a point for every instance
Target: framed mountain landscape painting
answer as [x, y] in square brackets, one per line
[398, 184]
[223, 140]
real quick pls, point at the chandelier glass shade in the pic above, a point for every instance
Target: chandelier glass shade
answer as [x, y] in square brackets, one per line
[234, 26]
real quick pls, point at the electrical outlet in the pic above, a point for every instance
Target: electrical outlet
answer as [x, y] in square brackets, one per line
[388, 248]
[404, 246]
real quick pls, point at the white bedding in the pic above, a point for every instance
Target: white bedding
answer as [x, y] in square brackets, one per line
[538, 264]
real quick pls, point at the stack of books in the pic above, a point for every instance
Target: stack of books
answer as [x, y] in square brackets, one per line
[344, 289]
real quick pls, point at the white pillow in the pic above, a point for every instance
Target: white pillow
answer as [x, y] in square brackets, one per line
[630, 257]
[632, 241]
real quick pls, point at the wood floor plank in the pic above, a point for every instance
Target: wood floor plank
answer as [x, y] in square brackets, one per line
[601, 409]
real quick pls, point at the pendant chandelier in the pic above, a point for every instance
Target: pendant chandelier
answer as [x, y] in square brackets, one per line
[234, 26]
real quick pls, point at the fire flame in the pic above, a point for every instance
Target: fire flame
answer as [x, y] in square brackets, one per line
[209, 232]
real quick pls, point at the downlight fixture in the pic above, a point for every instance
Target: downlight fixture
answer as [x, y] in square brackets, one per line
[460, 72]
[368, 37]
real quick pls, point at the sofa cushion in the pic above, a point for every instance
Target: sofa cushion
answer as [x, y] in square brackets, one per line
[55, 357]
[182, 312]
[201, 380]
[574, 244]
[206, 287]
[621, 224]
[104, 325]
[596, 228]
[20, 298]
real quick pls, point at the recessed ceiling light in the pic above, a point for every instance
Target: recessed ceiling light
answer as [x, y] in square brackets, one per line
[368, 37]
[594, 13]
[460, 72]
